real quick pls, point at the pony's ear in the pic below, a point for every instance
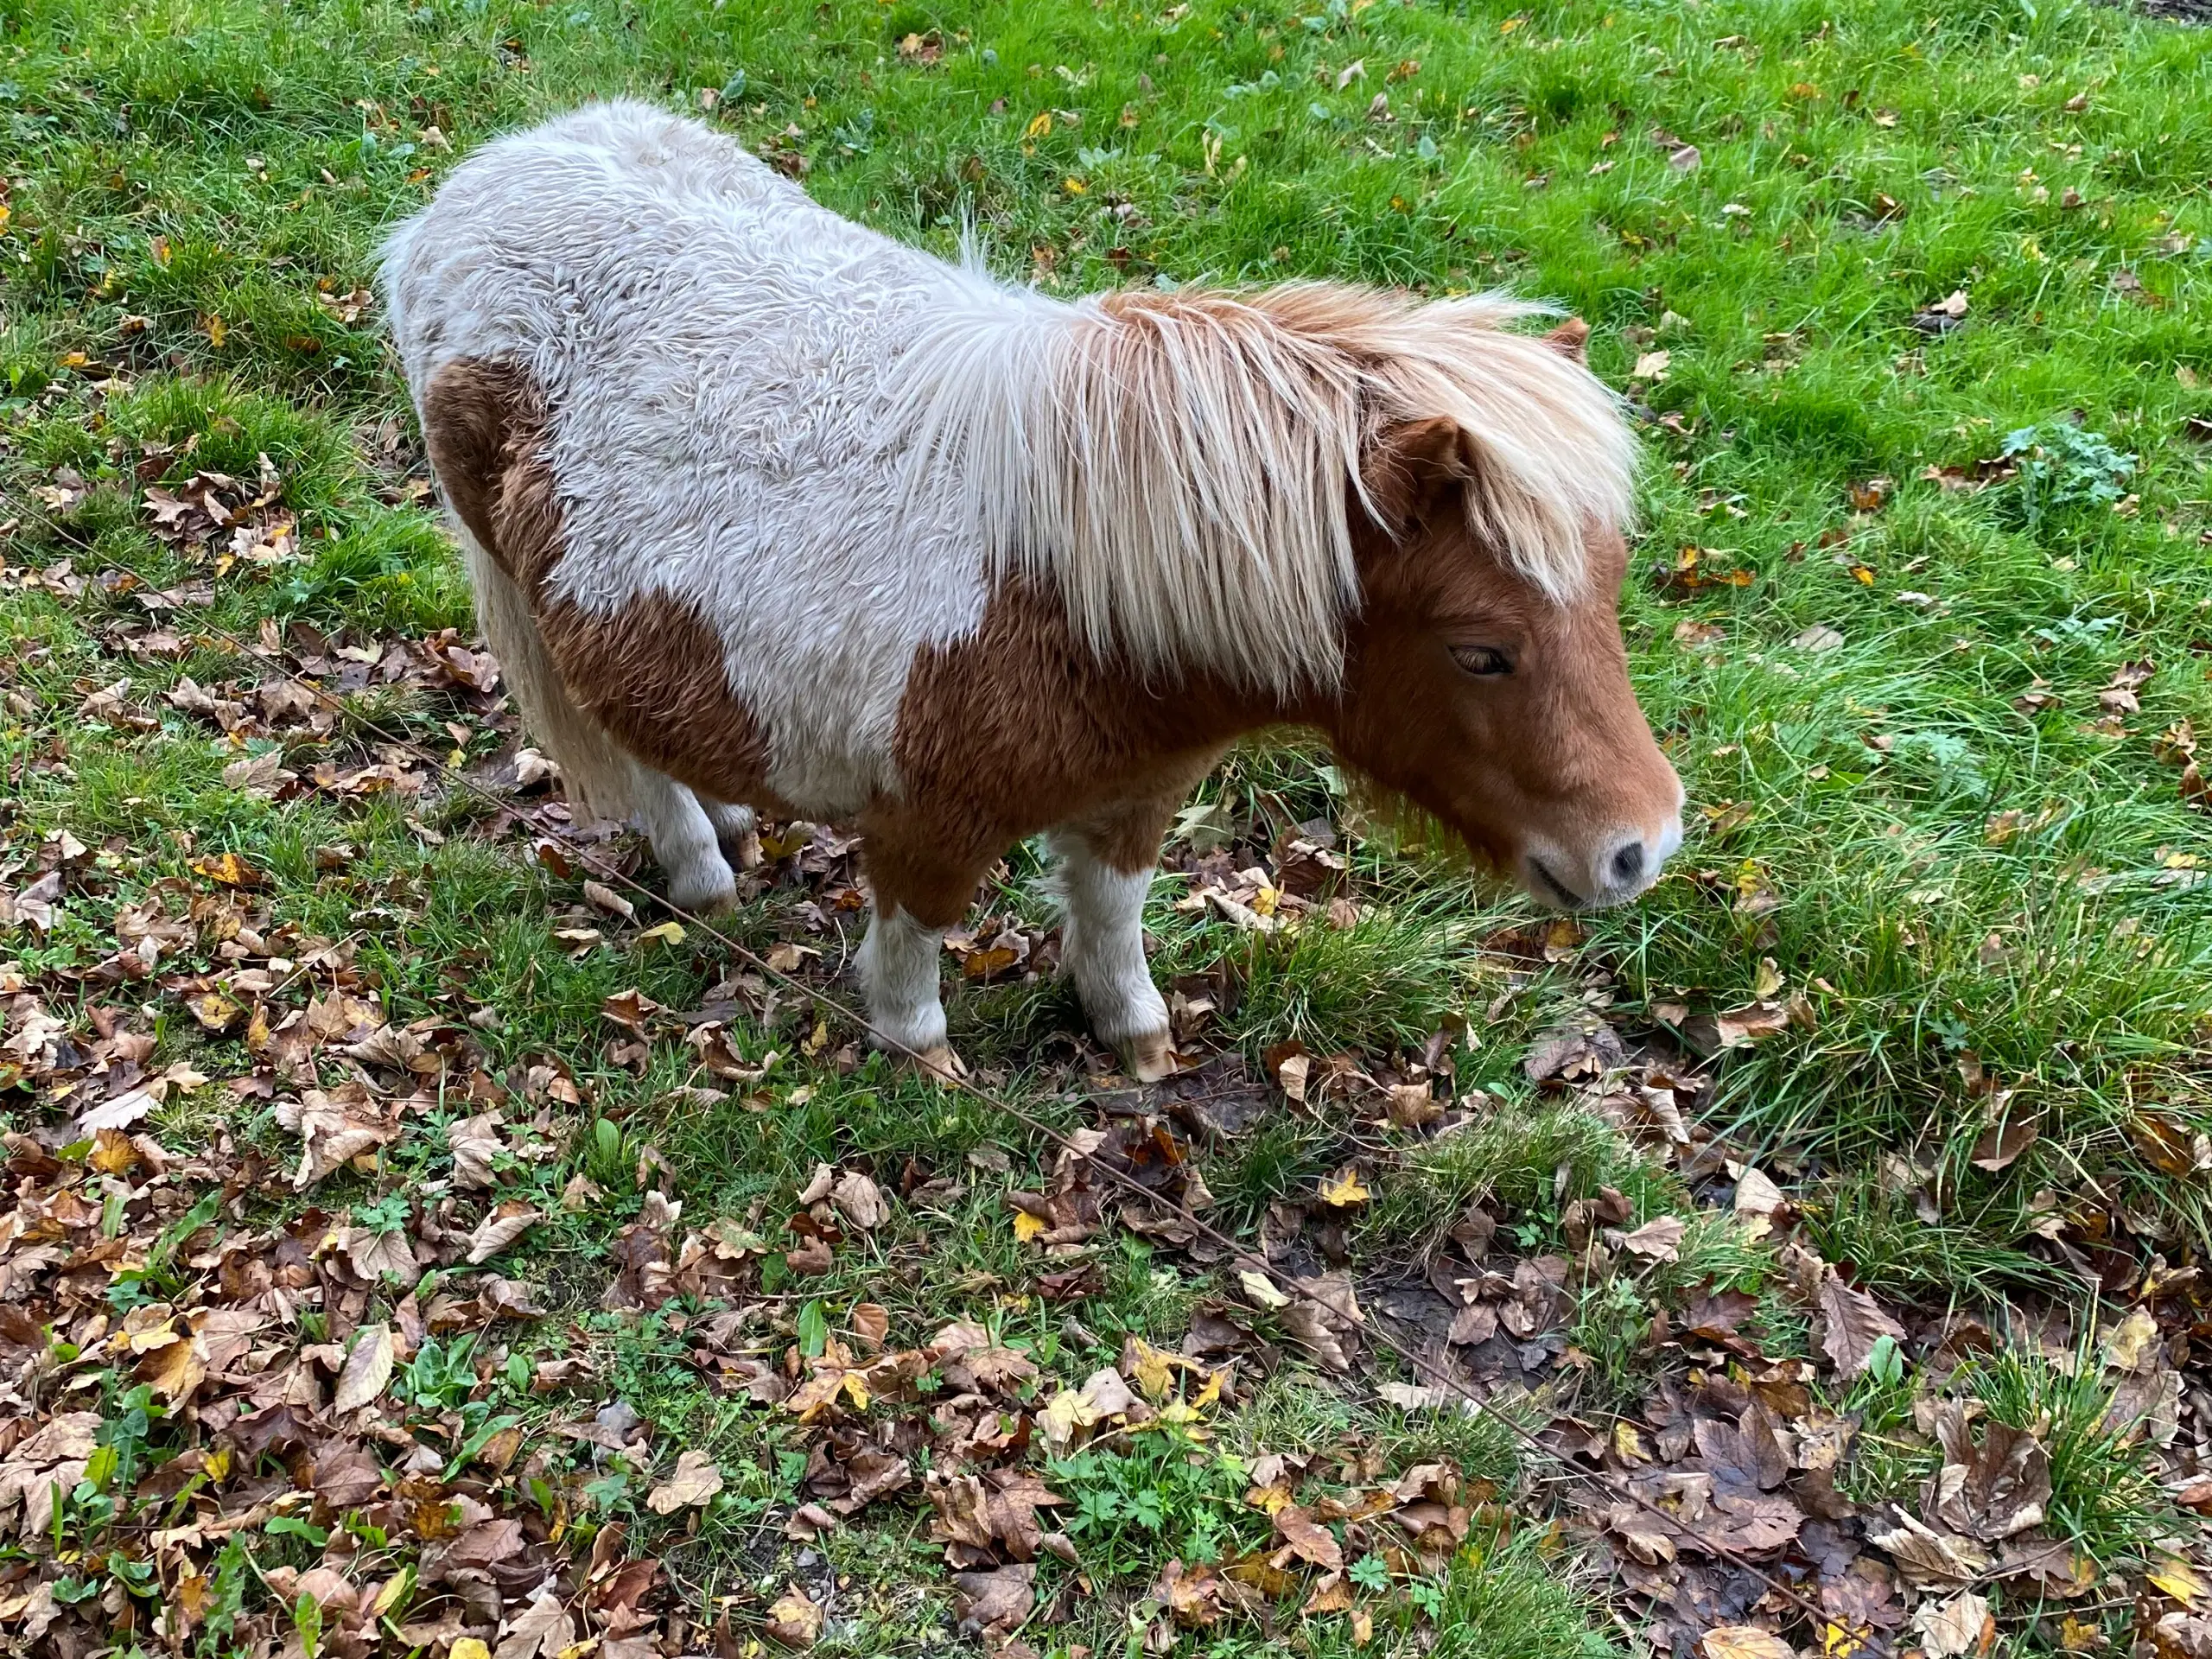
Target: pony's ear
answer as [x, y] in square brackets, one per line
[1570, 339]
[1411, 470]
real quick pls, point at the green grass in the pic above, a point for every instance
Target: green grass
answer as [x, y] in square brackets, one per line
[1963, 879]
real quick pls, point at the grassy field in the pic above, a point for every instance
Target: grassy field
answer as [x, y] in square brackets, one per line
[1913, 309]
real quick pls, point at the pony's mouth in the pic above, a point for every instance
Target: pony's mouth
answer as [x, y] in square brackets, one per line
[1551, 888]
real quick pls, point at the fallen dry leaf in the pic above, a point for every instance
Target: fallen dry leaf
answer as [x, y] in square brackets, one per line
[1659, 1239]
[1744, 1642]
[1852, 1323]
[1310, 1539]
[696, 1480]
[794, 1620]
[367, 1369]
[506, 1224]
[995, 1603]
[859, 1201]
[1345, 1188]
[1960, 1625]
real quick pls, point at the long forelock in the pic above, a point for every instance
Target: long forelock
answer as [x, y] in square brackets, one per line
[1182, 468]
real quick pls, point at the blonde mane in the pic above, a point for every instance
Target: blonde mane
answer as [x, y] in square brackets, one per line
[1179, 467]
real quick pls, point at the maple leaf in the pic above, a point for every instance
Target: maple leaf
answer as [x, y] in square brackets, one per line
[474, 1142]
[1311, 1540]
[1344, 1189]
[997, 1601]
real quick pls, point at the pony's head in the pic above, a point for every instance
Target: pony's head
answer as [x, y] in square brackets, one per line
[1498, 704]
[1394, 518]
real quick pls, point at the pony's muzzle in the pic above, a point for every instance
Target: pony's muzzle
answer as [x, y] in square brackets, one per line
[1615, 869]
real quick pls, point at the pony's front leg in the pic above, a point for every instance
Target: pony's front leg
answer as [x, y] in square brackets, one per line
[684, 841]
[1105, 872]
[897, 967]
[738, 830]
[918, 885]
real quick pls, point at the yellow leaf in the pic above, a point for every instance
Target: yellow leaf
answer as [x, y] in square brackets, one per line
[1041, 126]
[1064, 1416]
[669, 933]
[1026, 1226]
[856, 1389]
[1345, 1188]
[1627, 1445]
[217, 333]
[2079, 1635]
[1209, 1395]
[2131, 1341]
[468, 1647]
[229, 870]
[1149, 1369]
[1269, 1498]
[394, 1592]
[2178, 1579]
[1075, 187]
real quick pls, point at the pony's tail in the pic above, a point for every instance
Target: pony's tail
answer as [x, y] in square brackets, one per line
[600, 777]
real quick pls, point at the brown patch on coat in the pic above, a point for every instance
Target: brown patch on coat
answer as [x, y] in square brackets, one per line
[484, 426]
[651, 674]
[1570, 339]
[1020, 728]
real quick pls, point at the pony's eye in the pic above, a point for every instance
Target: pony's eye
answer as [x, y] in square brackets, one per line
[1483, 660]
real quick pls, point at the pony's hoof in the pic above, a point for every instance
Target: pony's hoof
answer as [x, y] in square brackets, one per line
[940, 1065]
[737, 830]
[1149, 1056]
[704, 888]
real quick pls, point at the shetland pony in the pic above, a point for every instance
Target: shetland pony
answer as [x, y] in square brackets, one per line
[766, 511]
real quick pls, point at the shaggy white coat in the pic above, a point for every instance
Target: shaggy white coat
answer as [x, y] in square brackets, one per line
[835, 445]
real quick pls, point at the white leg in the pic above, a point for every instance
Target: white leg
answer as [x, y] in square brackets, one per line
[734, 829]
[1102, 944]
[683, 835]
[898, 965]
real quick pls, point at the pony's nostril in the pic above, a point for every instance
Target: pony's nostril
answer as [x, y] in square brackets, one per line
[1628, 863]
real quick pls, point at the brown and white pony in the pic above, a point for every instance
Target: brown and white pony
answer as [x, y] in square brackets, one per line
[764, 509]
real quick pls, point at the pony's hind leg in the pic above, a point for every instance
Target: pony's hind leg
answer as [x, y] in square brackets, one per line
[602, 779]
[1106, 867]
